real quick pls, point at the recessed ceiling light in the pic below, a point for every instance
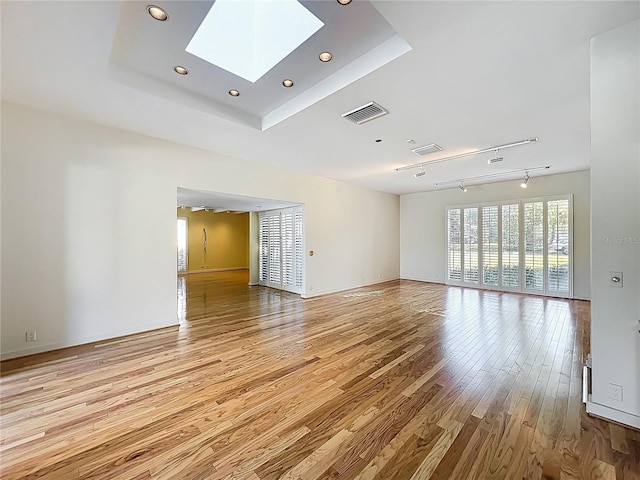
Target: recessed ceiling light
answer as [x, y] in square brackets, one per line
[325, 57]
[179, 69]
[344, 2]
[234, 93]
[157, 13]
[411, 140]
[287, 83]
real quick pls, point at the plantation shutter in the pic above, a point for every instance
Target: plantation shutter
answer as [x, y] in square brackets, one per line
[282, 249]
[471, 245]
[454, 257]
[534, 245]
[275, 258]
[523, 246]
[510, 246]
[264, 248]
[288, 254]
[490, 245]
[558, 228]
[299, 247]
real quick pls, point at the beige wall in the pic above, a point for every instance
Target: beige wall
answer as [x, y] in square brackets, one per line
[99, 193]
[227, 240]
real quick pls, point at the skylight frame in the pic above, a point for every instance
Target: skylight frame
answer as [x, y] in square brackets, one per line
[276, 28]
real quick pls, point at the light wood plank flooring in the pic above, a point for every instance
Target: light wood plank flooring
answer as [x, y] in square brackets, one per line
[402, 380]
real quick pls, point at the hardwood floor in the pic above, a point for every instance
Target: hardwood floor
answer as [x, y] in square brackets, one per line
[402, 380]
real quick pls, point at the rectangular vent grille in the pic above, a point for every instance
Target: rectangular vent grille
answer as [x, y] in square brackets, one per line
[427, 149]
[365, 113]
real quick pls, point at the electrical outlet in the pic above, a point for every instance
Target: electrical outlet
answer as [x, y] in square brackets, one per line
[30, 336]
[615, 391]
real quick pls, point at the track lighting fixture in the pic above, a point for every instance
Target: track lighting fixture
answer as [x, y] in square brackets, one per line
[420, 173]
[462, 181]
[475, 152]
[462, 187]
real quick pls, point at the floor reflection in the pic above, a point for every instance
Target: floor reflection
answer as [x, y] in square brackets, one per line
[182, 299]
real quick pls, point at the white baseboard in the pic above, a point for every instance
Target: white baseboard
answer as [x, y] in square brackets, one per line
[609, 413]
[149, 327]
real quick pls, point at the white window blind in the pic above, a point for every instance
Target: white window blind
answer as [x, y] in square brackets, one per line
[264, 248]
[282, 249]
[534, 245]
[275, 244]
[470, 245]
[522, 245]
[490, 245]
[299, 246]
[454, 257]
[510, 246]
[558, 228]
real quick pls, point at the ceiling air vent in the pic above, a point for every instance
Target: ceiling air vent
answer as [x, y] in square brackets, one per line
[365, 113]
[427, 149]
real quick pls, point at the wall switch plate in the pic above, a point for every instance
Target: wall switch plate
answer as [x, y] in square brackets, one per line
[30, 336]
[615, 279]
[615, 392]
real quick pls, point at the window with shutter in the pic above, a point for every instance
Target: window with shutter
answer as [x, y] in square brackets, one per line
[454, 257]
[470, 245]
[523, 246]
[275, 244]
[558, 229]
[299, 247]
[490, 245]
[264, 248]
[510, 246]
[282, 249]
[534, 245]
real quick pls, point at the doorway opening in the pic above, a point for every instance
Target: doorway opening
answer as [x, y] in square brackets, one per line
[218, 233]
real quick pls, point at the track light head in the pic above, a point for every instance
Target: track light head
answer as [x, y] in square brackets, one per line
[525, 181]
[462, 187]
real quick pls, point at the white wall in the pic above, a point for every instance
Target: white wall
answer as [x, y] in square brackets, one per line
[81, 202]
[615, 221]
[422, 223]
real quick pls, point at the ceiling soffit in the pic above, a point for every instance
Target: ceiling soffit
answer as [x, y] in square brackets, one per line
[145, 51]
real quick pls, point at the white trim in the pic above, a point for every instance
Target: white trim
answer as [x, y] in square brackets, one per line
[609, 413]
[112, 336]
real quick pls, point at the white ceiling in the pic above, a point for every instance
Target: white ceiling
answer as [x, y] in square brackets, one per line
[479, 74]
[266, 102]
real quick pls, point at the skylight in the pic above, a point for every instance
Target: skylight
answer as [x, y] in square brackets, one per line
[249, 37]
